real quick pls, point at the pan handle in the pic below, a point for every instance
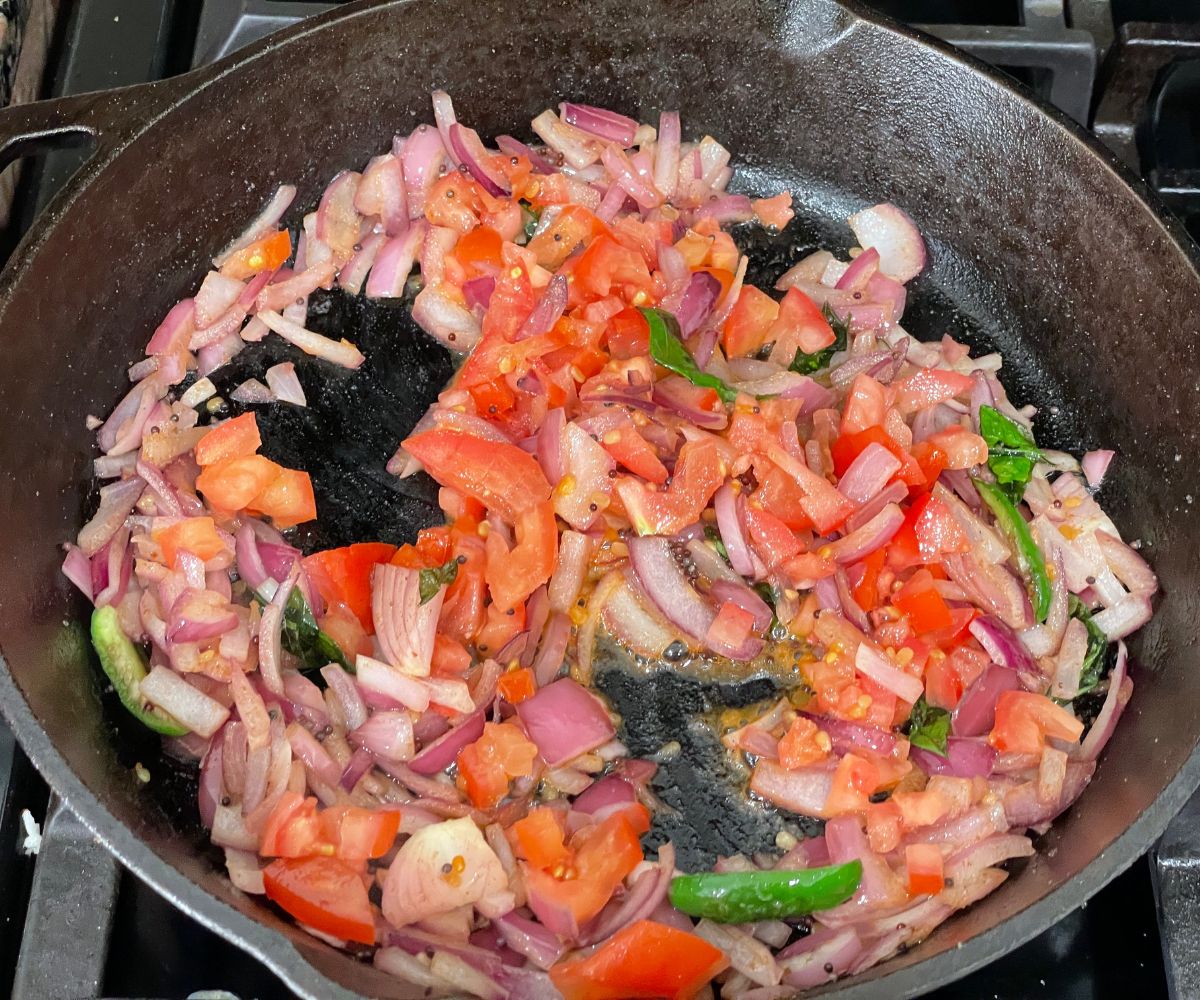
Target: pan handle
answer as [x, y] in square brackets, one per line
[103, 120]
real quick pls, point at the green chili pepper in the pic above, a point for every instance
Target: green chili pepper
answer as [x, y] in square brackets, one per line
[1029, 556]
[125, 666]
[1012, 453]
[742, 897]
[666, 348]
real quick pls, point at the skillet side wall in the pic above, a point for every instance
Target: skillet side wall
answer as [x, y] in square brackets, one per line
[1034, 241]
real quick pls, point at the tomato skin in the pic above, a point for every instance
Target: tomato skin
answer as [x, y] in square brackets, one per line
[644, 960]
[234, 438]
[772, 538]
[512, 575]
[344, 575]
[1025, 720]
[197, 535]
[557, 241]
[749, 323]
[324, 893]
[501, 476]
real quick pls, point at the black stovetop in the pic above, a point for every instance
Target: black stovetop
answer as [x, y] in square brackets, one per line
[1129, 69]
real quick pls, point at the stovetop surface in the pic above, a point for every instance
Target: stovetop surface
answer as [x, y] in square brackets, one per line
[1111, 947]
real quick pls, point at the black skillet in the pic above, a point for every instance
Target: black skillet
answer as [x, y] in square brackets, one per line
[1041, 246]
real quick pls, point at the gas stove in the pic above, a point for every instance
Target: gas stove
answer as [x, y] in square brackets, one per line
[73, 923]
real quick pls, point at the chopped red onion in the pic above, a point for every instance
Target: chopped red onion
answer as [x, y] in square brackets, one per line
[574, 555]
[470, 152]
[871, 663]
[314, 756]
[444, 319]
[801, 790]
[117, 500]
[542, 947]
[574, 145]
[565, 720]
[340, 352]
[354, 710]
[868, 474]
[443, 751]
[630, 620]
[285, 385]
[375, 676]
[514, 147]
[732, 536]
[1002, 644]
[381, 192]
[965, 758]
[265, 222]
[548, 310]
[860, 271]
[599, 121]
[893, 234]
[179, 699]
[388, 735]
[1120, 688]
[477, 292]
[975, 713]
[866, 539]
[640, 189]
[668, 586]
[404, 627]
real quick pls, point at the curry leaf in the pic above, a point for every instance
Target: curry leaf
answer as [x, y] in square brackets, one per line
[433, 580]
[667, 349]
[929, 727]
[1095, 660]
[303, 639]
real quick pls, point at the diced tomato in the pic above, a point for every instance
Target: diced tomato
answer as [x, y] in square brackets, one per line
[454, 203]
[359, 834]
[931, 459]
[772, 539]
[775, 212]
[292, 829]
[1025, 720]
[854, 781]
[492, 398]
[287, 500]
[866, 591]
[606, 263]
[781, 495]
[924, 864]
[962, 448]
[802, 322]
[197, 535]
[699, 471]
[431, 549]
[479, 250]
[605, 853]
[450, 657]
[848, 447]
[803, 744]
[572, 226]
[749, 323]
[929, 386]
[731, 627]
[920, 808]
[323, 893]
[265, 254]
[943, 686]
[344, 575]
[644, 960]
[233, 483]
[628, 335]
[463, 612]
[236, 438]
[343, 627]
[512, 575]
[538, 838]
[486, 766]
[501, 476]
[823, 504]
[808, 566]
[883, 826]
[865, 406]
[499, 628]
[919, 599]
[937, 530]
[517, 685]
[634, 452]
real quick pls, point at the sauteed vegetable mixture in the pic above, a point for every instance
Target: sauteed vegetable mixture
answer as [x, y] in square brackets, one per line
[400, 746]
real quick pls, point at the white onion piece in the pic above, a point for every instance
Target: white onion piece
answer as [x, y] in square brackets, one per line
[285, 385]
[893, 234]
[340, 352]
[174, 695]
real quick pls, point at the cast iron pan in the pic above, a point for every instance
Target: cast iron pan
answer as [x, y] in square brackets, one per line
[1041, 247]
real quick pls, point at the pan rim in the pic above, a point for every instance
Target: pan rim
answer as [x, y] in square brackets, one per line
[274, 947]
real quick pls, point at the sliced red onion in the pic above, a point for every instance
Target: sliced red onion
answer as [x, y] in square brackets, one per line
[1023, 809]
[574, 554]
[198, 615]
[117, 500]
[360, 762]
[1130, 568]
[537, 611]
[747, 956]
[422, 155]
[868, 474]
[296, 289]
[119, 566]
[548, 310]
[381, 192]
[666, 154]
[860, 271]
[1002, 644]
[668, 586]
[354, 710]
[609, 791]
[404, 627]
[574, 145]
[565, 720]
[1095, 465]
[397, 689]
[801, 790]
[217, 293]
[445, 319]
[892, 296]
[444, 116]
[285, 385]
[965, 758]
[640, 189]
[394, 263]
[78, 569]
[820, 957]
[122, 431]
[212, 784]
[864, 540]
[732, 536]
[266, 221]
[338, 223]
[514, 147]
[728, 209]
[975, 713]
[1120, 688]
[599, 121]
[477, 292]
[314, 756]
[252, 391]
[531, 939]
[469, 151]
[1069, 660]
[179, 699]
[354, 271]
[893, 234]
[340, 352]
[553, 649]
[871, 663]
[681, 397]
[270, 634]
[628, 618]
[443, 751]
[388, 735]
[696, 302]
[745, 598]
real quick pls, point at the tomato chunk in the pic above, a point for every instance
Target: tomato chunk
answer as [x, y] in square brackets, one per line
[236, 438]
[324, 893]
[1025, 720]
[344, 575]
